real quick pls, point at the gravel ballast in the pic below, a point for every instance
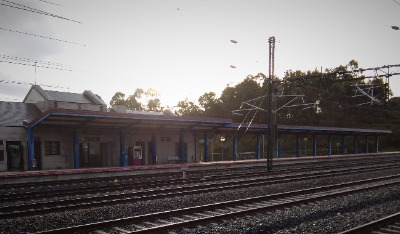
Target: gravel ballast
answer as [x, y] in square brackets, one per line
[323, 217]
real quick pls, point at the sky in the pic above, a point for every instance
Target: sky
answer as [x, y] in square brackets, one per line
[182, 48]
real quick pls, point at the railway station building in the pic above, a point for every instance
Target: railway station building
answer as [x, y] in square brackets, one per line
[52, 130]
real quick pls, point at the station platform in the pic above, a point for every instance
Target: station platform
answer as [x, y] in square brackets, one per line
[90, 173]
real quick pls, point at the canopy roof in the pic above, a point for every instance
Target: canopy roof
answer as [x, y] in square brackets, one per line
[60, 118]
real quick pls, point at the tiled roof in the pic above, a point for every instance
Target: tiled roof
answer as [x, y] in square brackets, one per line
[67, 97]
[86, 97]
[12, 114]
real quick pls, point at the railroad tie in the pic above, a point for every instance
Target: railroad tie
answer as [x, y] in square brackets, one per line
[395, 226]
[163, 221]
[150, 223]
[178, 219]
[202, 215]
[138, 227]
[213, 213]
[121, 230]
[101, 232]
[388, 230]
[191, 217]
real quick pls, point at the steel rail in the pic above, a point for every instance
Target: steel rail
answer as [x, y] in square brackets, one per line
[260, 203]
[145, 184]
[159, 193]
[385, 223]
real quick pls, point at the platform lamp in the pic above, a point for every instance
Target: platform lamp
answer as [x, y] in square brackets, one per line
[222, 139]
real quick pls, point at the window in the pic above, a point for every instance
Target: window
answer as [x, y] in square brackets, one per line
[52, 147]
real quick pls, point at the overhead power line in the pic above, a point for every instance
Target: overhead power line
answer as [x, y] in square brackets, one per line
[34, 10]
[52, 3]
[35, 35]
[27, 83]
[34, 63]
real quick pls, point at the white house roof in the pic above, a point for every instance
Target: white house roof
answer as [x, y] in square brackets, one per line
[85, 97]
[13, 114]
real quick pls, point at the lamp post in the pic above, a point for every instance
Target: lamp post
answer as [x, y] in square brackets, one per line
[271, 124]
[222, 139]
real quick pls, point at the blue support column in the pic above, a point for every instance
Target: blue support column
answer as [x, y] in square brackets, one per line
[258, 147]
[206, 147]
[154, 149]
[366, 145]
[355, 144]
[297, 146]
[31, 150]
[314, 145]
[377, 144]
[343, 146]
[234, 151]
[279, 147]
[122, 150]
[76, 149]
[182, 148]
[329, 145]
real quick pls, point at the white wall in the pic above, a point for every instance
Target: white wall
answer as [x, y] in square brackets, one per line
[65, 159]
[13, 134]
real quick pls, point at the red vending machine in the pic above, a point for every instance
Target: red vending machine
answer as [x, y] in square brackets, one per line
[137, 155]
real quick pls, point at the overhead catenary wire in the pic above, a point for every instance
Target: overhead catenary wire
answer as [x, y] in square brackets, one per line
[257, 108]
[45, 37]
[34, 10]
[370, 20]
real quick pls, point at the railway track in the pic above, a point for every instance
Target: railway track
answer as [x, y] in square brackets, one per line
[128, 182]
[388, 224]
[191, 216]
[49, 186]
[166, 190]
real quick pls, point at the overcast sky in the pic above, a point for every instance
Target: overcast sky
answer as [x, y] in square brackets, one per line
[182, 48]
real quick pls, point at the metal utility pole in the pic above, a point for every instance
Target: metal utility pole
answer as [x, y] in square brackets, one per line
[271, 124]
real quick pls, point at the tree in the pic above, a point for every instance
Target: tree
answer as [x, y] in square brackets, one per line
[210, 104]
[132, 102]
[154, 105]
[135, 101]
[187, 108]
[233, 97]
[153, 102]
[118, 99]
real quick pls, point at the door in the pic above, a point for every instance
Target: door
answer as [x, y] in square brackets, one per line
[15, 159]
[90, 154]
[84, 155]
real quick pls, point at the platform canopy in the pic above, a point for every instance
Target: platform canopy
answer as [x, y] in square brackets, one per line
[62, 118]
[113, 120]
